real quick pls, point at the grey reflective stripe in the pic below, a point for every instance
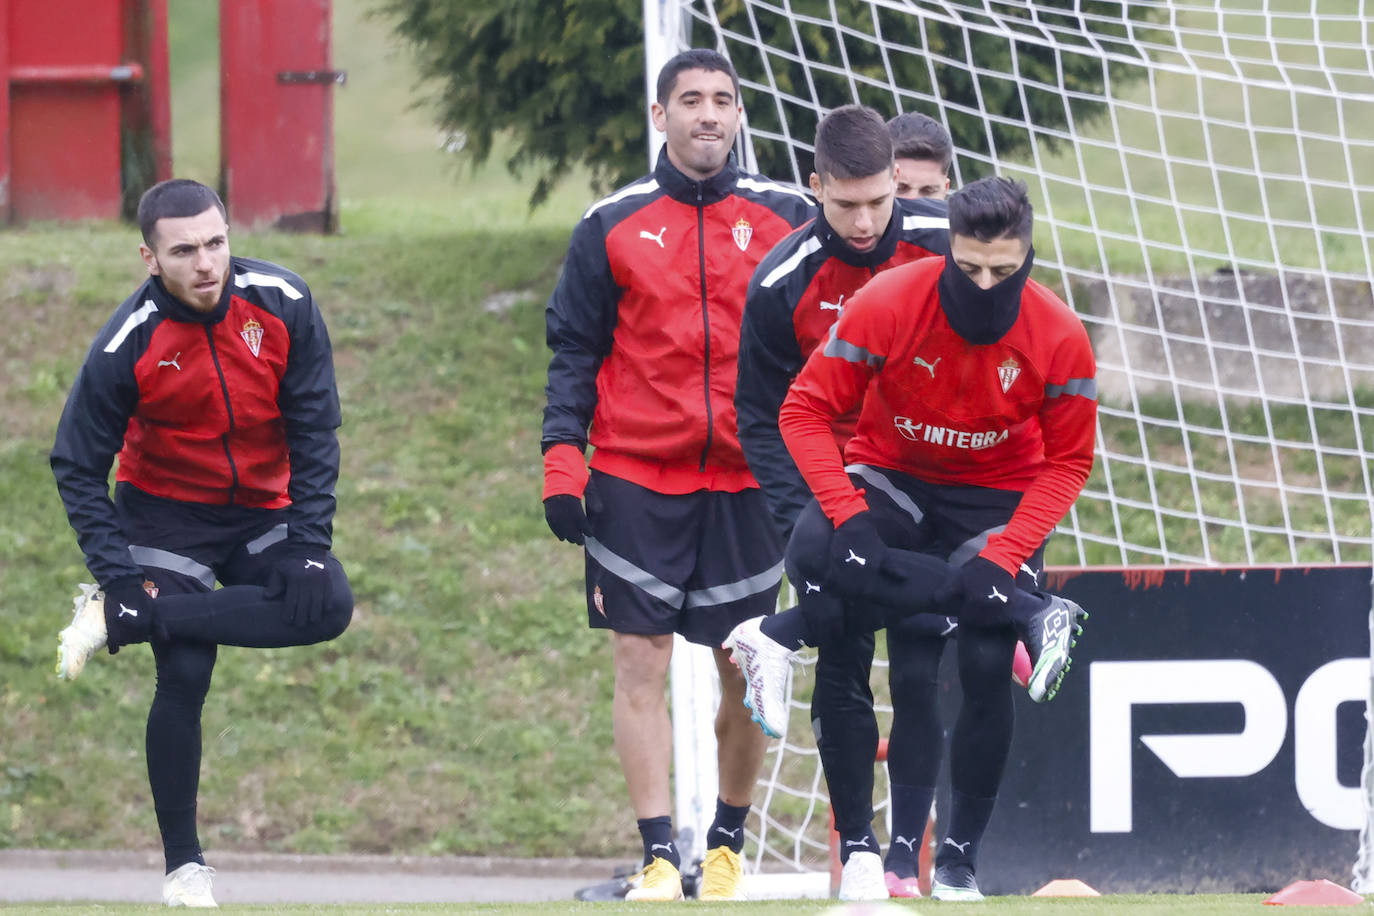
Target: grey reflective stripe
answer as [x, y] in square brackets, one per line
[645, 187]
[133, 321]
[878, 481]
[622, 568]
[848, 351]
[755, 184]
[734, 591]
[1083, 387]
[925, 222]
[973, 546]
[253, 278]
[809, 247]
[262, 542]
[158, 558]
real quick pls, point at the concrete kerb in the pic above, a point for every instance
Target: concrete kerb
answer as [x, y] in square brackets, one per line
[255, 877]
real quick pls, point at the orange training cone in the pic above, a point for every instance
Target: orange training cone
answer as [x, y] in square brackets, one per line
[1066, 887]
[1315, 893]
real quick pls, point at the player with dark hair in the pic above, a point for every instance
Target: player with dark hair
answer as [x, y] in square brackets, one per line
[798, 293]
[214, 386]
[923, 152]
[977, 403]
[644, 329]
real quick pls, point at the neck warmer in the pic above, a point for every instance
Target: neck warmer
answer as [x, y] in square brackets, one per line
[982, 316]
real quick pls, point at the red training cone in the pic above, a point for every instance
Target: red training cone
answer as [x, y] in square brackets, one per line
[1315, 893]
[1066, 887]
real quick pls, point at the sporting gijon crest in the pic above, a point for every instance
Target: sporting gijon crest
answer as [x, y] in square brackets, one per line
[252, 335]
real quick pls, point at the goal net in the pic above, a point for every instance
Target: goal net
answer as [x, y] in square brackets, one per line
[1203, 179]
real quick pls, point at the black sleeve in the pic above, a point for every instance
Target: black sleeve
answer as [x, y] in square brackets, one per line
[580, 323]
[89, 435]
[769, 358]
[309, 402]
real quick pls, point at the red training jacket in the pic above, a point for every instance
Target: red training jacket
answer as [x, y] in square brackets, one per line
[1018, 414]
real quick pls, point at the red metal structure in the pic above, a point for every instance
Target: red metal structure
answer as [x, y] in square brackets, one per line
[277, 114]
[84, 106]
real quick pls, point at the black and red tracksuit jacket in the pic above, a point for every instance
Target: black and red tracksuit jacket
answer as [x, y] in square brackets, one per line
[644, 325]
[796, 296]
[234, 407]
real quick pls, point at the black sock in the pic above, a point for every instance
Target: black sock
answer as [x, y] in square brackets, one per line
[968, 818]
[728, 827]
[786, 627]
[858, 842]
[910, 814]
[657, 833]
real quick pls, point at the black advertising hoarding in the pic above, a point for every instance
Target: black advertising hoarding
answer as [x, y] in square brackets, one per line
[1209, 737]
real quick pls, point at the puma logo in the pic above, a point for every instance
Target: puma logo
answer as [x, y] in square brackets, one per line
[811, 587]
[730, 833]
[928, 366]
[855, 558]
[908, 843]
[951, 625]
[863, 842]
[833, 306]
[123, 610]
[646, 234]
[998, 595]
[316, 564]
[962, 847]
[666, 847]
[1035, 576]
[171, 362]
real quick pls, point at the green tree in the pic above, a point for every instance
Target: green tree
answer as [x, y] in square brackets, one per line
[566, 77]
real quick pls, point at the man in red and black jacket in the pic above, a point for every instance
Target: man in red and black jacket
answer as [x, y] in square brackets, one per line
[797, 294]
[978, 403]
[644, 329]
[213, 385]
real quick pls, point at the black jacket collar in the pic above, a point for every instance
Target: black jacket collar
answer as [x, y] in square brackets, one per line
[690, 191]
[837, 248]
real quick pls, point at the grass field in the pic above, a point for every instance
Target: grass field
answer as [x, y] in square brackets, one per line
[1126, 905]
[467, 709]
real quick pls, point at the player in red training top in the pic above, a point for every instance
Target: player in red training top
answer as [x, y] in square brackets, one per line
[644, 331]
[977, 415]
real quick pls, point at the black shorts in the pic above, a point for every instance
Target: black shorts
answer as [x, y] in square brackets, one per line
[186, 547]
[696, 564]
[952, 523]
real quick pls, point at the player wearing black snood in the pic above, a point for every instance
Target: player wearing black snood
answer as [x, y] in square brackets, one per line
[977, 414]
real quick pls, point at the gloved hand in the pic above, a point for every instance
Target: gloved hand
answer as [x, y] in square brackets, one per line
[857, 553]
[565, 481]
[301, 581]
[130, 616]
[979, 592]
[567, 518]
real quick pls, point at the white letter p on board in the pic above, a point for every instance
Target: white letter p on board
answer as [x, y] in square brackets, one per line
[1115, 687]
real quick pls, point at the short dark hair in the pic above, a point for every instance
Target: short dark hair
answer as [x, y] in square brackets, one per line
[852, 142]
[918, 136]
[175, 197]
[694, 59]
[991, 208]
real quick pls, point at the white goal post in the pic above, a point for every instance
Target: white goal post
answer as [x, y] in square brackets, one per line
[1203, 178]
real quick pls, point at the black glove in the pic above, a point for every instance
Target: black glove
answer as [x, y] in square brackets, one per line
[129, 614]
[857, 553]
[567, 518]
[979, 592]
[300, 579]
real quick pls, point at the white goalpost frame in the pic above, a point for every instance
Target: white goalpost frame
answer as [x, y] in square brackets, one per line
[1241, 291]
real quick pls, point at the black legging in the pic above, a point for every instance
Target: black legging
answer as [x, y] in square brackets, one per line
[198, 622]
